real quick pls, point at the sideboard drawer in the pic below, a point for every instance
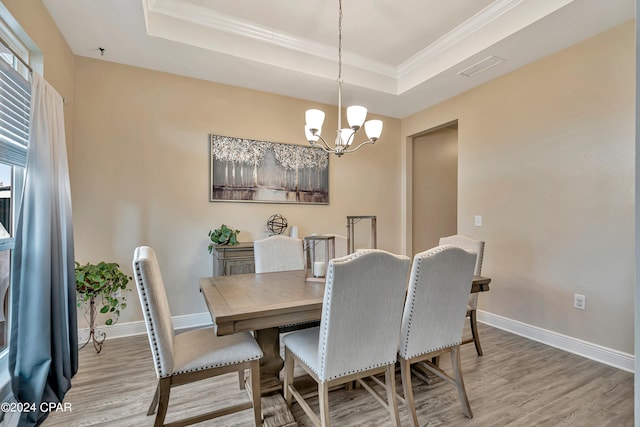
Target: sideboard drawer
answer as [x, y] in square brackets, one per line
[236, 259]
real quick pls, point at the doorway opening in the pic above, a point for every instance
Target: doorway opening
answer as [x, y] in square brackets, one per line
[434, 186]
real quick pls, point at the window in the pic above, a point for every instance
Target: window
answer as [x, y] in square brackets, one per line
[15, 101]
[12, 49]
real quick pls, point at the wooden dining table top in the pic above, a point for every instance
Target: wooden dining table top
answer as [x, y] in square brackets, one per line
[248, 302]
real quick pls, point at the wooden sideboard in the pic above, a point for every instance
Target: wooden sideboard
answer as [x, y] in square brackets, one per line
[236, 259]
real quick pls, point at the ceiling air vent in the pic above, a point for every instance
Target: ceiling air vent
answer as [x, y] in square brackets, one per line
[481, 66]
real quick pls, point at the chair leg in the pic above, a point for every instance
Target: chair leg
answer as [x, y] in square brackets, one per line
[164, 389]
[407, 387]
[392, 400]
[323, 396]
[457, 374]
[255, 392]
[154, 401]
[241, 379]
[474, 331]
[289, 365]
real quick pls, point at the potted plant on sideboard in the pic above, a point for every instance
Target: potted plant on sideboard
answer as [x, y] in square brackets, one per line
[223, 236]
[230, 256]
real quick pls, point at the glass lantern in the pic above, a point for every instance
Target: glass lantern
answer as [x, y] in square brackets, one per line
[351, 232]
[319, 249]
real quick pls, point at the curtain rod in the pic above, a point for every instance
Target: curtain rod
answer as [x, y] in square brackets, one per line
[64, 100]
[13, 52]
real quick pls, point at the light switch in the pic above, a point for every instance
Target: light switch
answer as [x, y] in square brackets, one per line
[478, 221]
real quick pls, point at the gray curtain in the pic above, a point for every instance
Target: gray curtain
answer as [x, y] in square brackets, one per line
[43, 347]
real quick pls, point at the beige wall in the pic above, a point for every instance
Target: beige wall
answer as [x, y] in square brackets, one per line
[546, 155]
[141, 172]
[435, 187]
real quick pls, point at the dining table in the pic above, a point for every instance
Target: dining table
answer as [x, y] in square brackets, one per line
[263, 303]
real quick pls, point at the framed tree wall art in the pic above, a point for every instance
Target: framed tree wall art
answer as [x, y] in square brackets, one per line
[248, 170]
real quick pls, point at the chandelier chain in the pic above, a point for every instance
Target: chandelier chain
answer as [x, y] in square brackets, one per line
[356, 117]
[340, 41]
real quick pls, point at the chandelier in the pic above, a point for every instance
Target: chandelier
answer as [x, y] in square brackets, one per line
[356, 116]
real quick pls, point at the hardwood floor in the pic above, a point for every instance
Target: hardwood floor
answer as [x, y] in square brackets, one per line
[517, 382]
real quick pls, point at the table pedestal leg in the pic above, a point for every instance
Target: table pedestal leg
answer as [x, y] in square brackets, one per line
[275, 412]
[272, 363]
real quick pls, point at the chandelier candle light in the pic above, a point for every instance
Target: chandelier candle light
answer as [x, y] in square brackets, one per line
[356, 116]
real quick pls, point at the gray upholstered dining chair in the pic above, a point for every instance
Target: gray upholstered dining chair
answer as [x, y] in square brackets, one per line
[278, 253]
[189, 356]
[433, 317]
[281, 253]
[358, 333]
[470, 244]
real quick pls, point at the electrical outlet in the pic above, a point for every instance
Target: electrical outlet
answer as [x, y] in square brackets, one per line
[579, 302]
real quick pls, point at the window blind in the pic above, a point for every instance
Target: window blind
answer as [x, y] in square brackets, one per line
[15, 102]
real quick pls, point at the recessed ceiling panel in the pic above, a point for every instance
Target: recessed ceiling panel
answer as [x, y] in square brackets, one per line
[387, 31]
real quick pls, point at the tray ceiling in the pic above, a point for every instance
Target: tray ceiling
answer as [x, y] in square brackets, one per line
[399, 56]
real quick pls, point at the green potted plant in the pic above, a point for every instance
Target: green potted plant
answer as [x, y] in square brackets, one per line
[101, 284]
[223, 236]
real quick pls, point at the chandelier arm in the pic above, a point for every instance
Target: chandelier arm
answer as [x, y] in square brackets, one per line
[351, 138]
[359, 146]
[324, 143]
[323, 148]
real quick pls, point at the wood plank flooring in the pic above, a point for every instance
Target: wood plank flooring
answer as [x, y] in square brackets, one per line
[517, 382]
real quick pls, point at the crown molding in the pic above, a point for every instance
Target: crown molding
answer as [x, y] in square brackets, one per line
[212, 19]
[209, 18]
[480, 20]
[191, 24]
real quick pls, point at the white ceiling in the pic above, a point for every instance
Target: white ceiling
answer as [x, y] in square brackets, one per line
[399, 56]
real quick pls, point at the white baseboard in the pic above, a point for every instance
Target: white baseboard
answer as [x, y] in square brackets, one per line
[618, 359]
[128, 329]
[608, 356]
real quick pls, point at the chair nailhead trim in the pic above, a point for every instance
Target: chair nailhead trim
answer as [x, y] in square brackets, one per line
[419, 261]
[368, 368]
[156, 351]
[432, 350]
[204, 368]
[325, 314]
